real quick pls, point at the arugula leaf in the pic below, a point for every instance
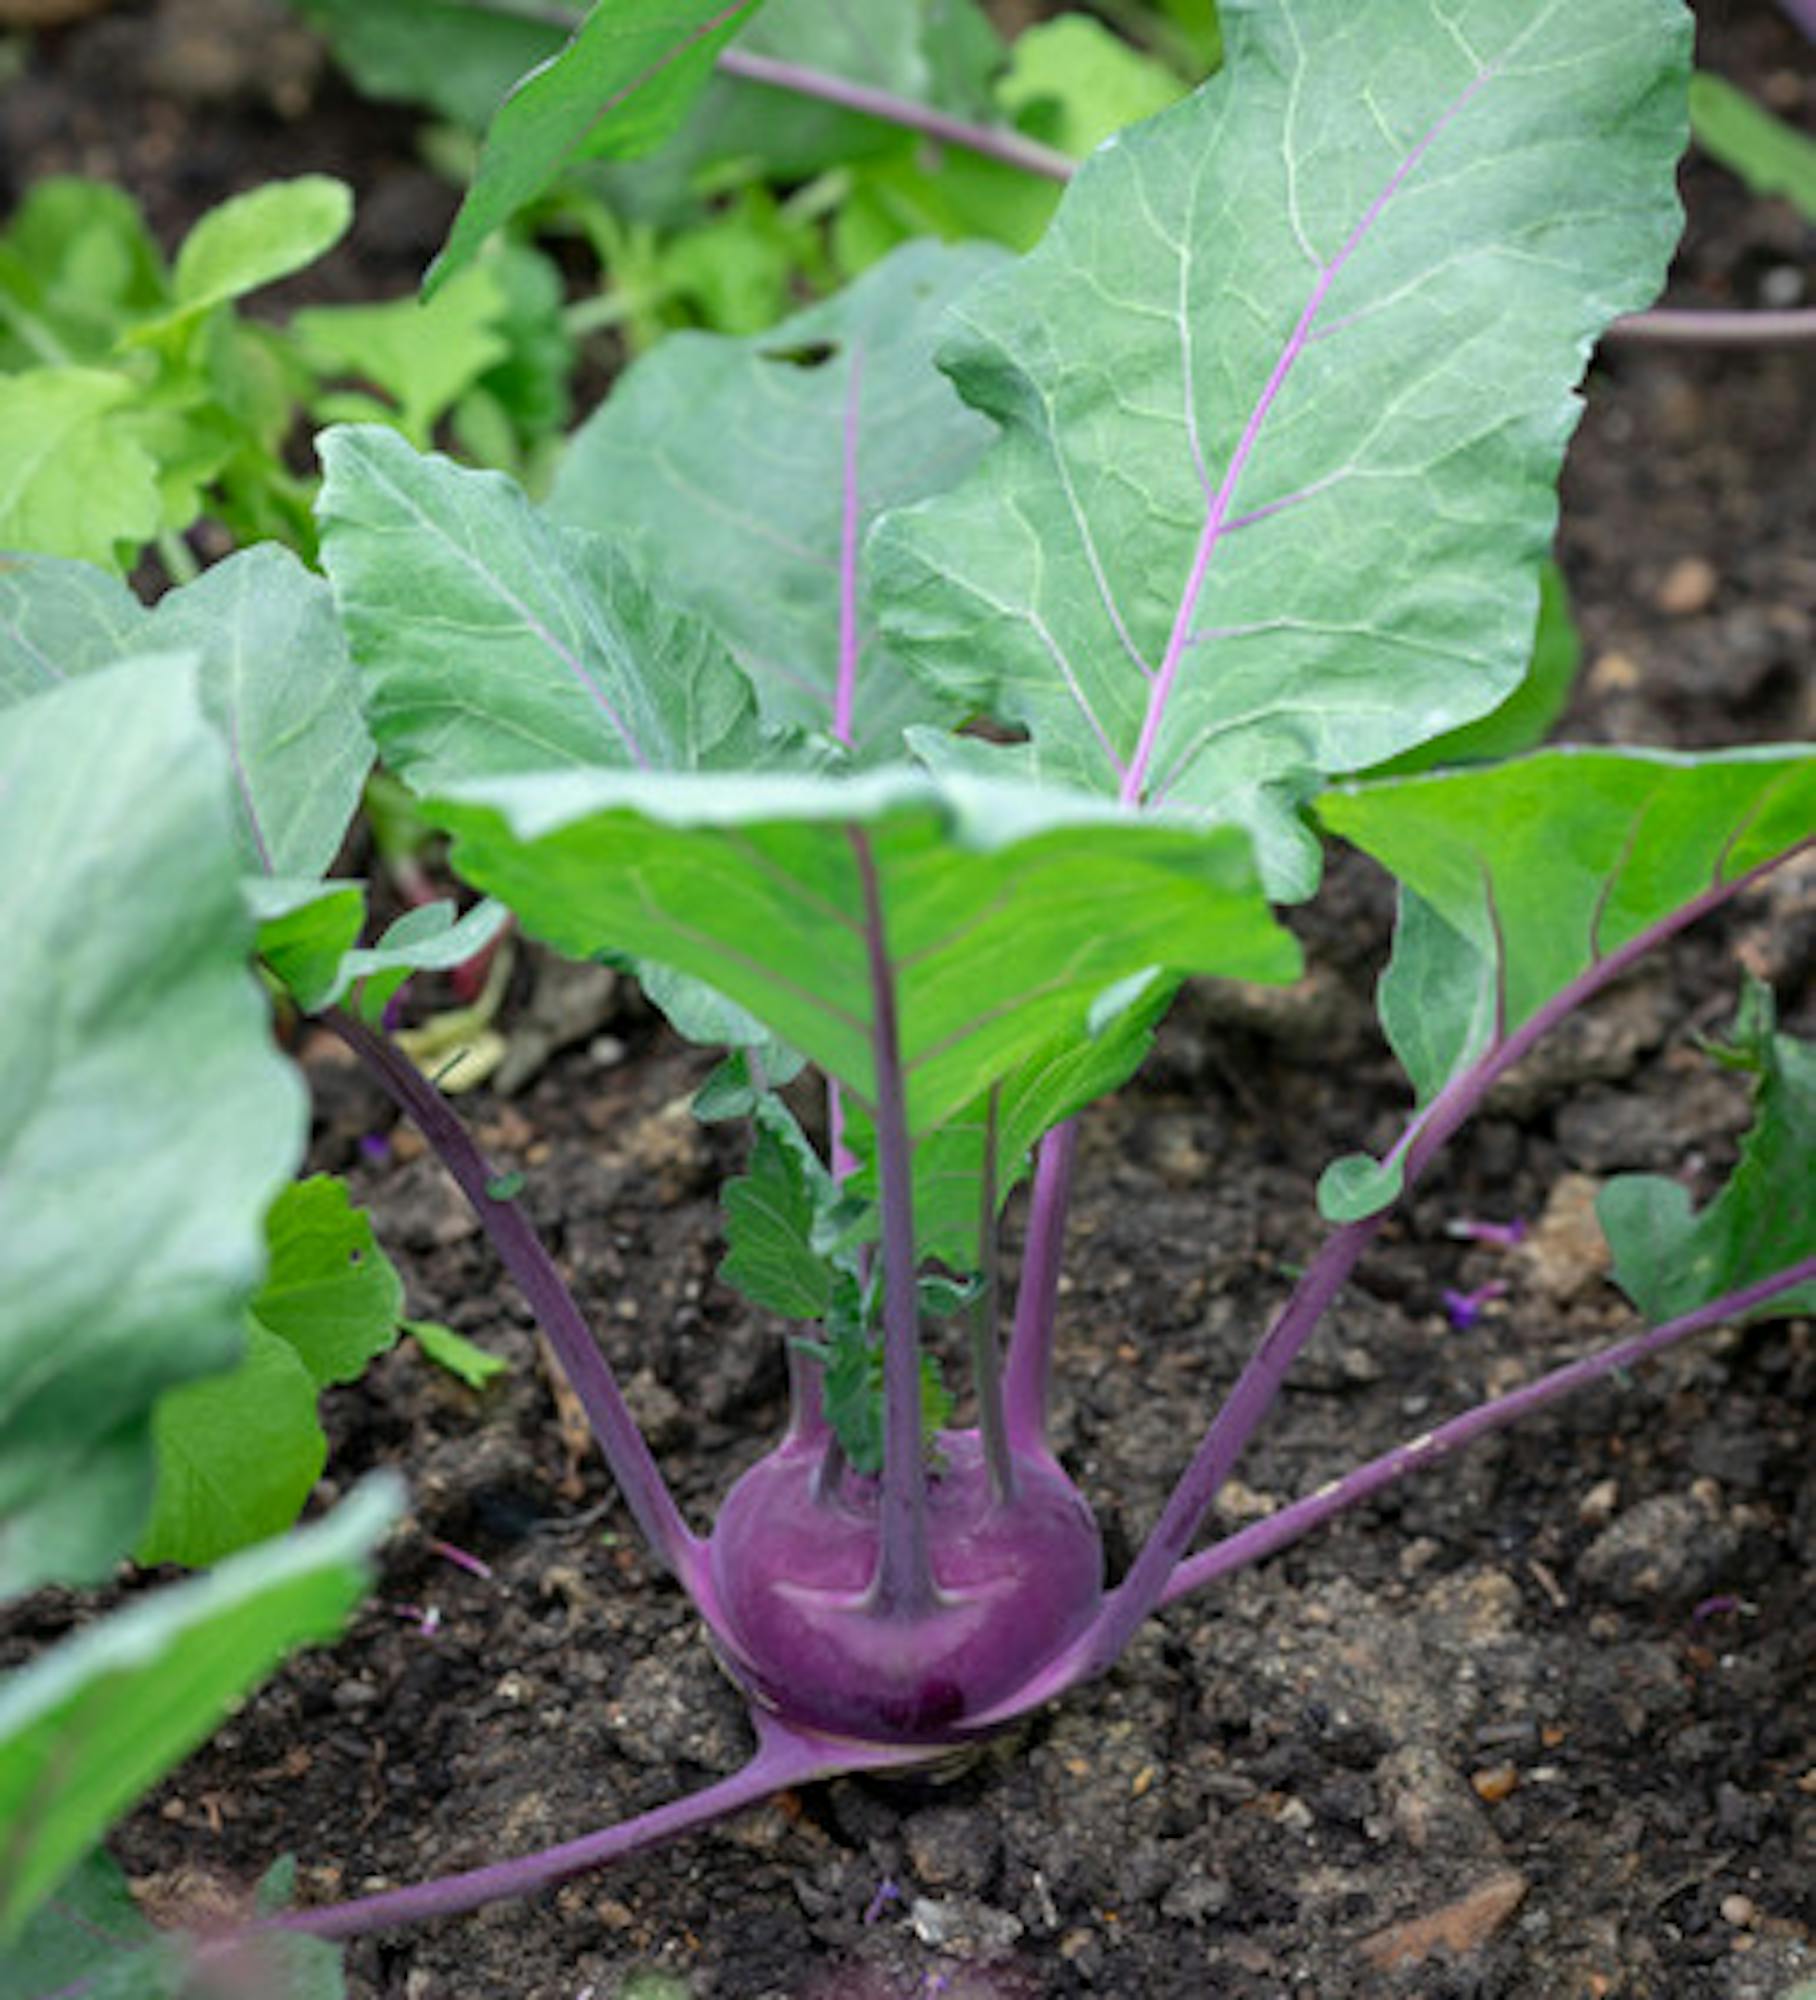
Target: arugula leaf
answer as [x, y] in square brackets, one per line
[422, 356]
[745, 474]
[330, 1292]
[1519, 878]
[1669, 1259]
[130, 1030]
[251, 241]
[76, 262]
[620, 86]
[1007, 910]
[1071, 83]
[73, 481]
[93, 1724]
[1276, 467]
[492, 640]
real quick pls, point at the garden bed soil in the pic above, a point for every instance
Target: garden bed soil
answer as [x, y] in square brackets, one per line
[1537, 1724]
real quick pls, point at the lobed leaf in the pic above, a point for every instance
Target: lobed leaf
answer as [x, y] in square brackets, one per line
[1283, 393]
[130, 1030]
[1007, 910]
[744, 474]
[93, 1724]
[1668, 1258]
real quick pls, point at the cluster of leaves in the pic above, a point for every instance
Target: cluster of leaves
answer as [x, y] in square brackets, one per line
[136, 399]
[1197, 569]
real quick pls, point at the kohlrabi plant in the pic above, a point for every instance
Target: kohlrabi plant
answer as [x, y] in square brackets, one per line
[913, 697]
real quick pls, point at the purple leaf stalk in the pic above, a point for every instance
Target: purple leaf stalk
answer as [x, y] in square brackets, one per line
[877, 1624]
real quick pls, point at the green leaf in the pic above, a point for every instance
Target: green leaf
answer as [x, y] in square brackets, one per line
[60, 618]
[1007, 910]
[699, 1014]
[723, 464]
[1669, 1259]
[275, 681]
[1769, 155]
[770, 1217]
[1528, 715]
[1356, 1186]
[253, 240]
[330, 1291]
[92, 1937]
[97, 1721]
[76, 264]
[1284, 390]
[306, 930]
[72, 481]
[430, 938]
[454, 1352]
[621, 85]
[1517, 879]
[238, 1455]
[491, 640]
[130, 1032]
[423, 356]
[278, 685]
[1071, 83]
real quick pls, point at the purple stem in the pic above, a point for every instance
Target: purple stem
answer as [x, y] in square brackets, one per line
[1028, 1378]
[1259, 1383]
[1711, 327]
[784, 1756]
[1264, 1538]
[992, 142]
[903, 1586]
[528, 1261]
[986, 1356]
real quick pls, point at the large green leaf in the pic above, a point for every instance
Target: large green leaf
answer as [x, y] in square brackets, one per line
[98, 1720]
[145, 1118]
[73, 481]
[275, 680]
[743, 471]
[621, 85]
[1284, 390]
[492, 640]
[1519, 878]
[1670, 1259]
[1006, 910]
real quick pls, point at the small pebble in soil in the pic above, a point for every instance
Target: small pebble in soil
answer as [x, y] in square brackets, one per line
[1494, 1783]
[1738, 1911]
[1689, 586]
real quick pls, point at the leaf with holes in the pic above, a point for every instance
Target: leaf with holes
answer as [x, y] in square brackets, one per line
[1276, 463]
[747, 472]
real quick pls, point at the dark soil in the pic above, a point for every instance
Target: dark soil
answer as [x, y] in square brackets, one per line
[1557, 1691]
